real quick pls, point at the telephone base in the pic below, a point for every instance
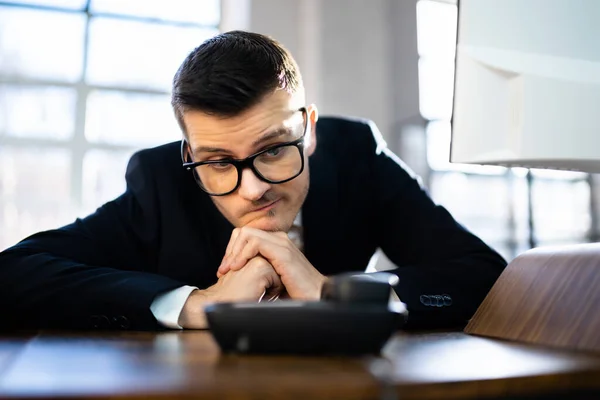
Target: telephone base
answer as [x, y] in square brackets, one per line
[298, 327]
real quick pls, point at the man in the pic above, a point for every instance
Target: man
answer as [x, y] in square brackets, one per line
[269, 203]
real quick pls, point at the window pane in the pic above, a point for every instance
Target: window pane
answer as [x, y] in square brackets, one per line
[509, 252]
[436, 85]
[35, 192]
[206, 12]
[41, 44]
[69, 4]
[561, 210]
[438, 152]
[436, 29]
[137, 54]
[519, 196]
[37, 111]
[481, 203]
[103, 177]
[130, 119]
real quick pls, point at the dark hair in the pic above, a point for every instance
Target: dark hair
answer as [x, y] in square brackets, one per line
[232, 72]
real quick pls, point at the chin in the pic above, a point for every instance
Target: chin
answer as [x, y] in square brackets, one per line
[264, 224]
[269, 223]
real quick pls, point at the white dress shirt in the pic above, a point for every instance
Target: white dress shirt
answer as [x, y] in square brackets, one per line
[167, 306]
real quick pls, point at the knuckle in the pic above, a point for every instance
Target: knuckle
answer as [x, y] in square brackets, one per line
[263, 267]
[257, 262]
[237, 234]
[252, 241]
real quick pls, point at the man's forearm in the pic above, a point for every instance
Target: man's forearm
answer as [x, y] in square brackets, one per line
[39, 290]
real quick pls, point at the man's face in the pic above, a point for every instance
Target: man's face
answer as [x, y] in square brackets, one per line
[275, 120]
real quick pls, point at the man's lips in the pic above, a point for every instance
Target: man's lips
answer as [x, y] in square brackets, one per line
[267, 206]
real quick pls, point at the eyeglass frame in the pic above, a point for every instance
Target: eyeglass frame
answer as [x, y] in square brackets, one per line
[248, 162]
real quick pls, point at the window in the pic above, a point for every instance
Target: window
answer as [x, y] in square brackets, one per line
[493, 202]
[84, 84]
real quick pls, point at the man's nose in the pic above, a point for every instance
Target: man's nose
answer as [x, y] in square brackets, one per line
[252, 188]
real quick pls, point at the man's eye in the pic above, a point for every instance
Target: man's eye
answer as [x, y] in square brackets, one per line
[273, 152]
[220, 166]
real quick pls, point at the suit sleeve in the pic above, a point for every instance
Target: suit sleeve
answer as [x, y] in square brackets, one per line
[445, 271]
[94, 273]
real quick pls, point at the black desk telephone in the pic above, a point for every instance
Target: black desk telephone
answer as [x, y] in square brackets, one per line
[354, 316]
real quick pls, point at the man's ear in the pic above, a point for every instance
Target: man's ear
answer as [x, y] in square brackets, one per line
[312, 114]
[185, 151]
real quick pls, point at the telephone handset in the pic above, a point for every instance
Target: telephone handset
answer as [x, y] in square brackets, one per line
[354, 316]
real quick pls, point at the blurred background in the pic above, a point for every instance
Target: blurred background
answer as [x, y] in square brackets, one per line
[85, 83]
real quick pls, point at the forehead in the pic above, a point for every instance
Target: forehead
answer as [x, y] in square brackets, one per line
[275, 111]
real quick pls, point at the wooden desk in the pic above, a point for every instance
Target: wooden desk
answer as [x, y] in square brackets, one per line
[457, 366]
[188, 364]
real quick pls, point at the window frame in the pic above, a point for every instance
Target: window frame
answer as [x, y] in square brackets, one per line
[77, 145]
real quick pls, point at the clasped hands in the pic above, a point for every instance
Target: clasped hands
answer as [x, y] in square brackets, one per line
[257, 265]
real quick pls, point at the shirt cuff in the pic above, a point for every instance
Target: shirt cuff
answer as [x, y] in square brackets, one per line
[167, 306]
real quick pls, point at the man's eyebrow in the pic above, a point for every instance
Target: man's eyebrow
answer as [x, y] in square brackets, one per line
[207, 149]
[265, 138]
[271, 135]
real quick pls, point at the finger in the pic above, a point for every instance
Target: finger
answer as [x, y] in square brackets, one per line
[236, 245]
[222, 273]
[233, 261]
[224, 267]
[234, 235]
[275, 288]
[222, 270]
[256, 243]
[237, 242]
[261, 271]
[245, 254]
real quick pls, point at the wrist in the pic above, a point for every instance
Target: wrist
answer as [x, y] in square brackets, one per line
[192, 315]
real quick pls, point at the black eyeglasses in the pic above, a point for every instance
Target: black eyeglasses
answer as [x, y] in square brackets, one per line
[276, 164]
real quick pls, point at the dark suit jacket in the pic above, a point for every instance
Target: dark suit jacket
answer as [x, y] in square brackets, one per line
[164, 232]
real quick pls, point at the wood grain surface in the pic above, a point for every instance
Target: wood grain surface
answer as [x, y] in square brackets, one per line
[548, 296]
[460, 366]
[172, 365]
[189, 364]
